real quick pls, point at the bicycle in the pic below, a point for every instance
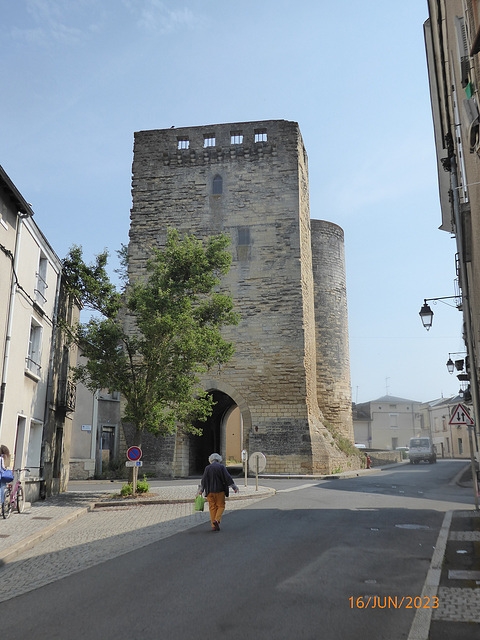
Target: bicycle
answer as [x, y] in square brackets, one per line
[13, 496]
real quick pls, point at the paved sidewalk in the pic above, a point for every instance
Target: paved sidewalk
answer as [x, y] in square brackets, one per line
[452, 586]
[40, 520]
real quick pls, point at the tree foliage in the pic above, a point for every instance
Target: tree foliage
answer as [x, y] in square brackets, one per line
[154, 341]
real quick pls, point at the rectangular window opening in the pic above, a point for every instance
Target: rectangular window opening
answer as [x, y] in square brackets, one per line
[33, 359]
[243, 236]
[236, 137]
[260, 135]
[41, 275]
[183, 143]
[34, 447]
[3, 212]
[209, 140]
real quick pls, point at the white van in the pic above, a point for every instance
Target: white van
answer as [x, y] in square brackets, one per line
[422, 449]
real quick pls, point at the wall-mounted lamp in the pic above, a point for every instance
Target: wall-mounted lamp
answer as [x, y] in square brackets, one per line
[458, 364]
[426, 314]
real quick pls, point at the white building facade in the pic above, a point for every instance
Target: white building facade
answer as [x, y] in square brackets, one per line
[451, 440]
[387, 423]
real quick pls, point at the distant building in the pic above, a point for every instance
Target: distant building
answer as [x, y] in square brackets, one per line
[37, 397]
[452, 441]
[387, 423]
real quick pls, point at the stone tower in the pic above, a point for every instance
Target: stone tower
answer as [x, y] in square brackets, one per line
[290, 374]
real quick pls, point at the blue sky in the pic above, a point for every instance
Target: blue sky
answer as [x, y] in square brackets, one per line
[79, 78]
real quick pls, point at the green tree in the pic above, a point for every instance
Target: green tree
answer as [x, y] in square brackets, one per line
[153, 341]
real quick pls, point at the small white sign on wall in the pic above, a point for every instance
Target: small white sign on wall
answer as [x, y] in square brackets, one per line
[86, 427]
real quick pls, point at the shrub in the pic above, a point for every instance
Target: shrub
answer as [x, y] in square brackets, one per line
[126, 490]
[143, 486]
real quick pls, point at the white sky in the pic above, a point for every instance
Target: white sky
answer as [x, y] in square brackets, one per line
[80, 77]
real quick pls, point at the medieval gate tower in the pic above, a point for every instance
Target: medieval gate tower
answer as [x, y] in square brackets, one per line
[290, 375]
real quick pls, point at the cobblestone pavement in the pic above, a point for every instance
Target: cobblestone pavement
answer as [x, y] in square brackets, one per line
[460, 602]
[65, 534]
[454, 579]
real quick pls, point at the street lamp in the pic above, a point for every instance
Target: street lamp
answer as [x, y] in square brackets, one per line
[426, 314]
[458, 364]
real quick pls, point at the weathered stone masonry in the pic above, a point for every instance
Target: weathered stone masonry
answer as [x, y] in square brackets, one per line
[290, 371]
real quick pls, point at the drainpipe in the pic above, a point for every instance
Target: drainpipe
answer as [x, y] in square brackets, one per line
[52, 350]
[96, 436]
[49, 394]
[11, 305]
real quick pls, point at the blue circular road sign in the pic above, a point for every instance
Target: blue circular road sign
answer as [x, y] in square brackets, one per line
[134, 453]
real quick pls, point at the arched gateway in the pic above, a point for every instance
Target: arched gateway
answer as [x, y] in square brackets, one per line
[223, 432]
[290, 375]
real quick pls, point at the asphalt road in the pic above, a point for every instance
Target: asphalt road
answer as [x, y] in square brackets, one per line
[316, 561]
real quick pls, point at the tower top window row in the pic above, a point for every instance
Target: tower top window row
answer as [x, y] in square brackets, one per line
[209, 139]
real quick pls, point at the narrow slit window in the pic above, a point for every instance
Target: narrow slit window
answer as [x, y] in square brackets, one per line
[209, 140]
[217, 185]
[260, 135]
[243, 236]
[183, 143]
[236, 137]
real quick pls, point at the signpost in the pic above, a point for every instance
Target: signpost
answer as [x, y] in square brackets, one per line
[134, 454]
[257, 463]
[245, 460]
[461, 417]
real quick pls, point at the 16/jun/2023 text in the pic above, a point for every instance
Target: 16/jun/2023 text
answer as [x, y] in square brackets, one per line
[393, 602]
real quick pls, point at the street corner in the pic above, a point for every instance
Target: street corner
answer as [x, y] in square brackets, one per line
[247, 492]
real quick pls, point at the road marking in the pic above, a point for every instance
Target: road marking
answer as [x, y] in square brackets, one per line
[302, 486]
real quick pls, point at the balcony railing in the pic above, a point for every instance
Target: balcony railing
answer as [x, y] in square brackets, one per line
[32, 366]
[67, 395]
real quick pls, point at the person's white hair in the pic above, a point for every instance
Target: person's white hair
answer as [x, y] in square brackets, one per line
[214, 457]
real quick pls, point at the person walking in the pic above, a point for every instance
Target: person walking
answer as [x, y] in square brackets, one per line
[215, 485]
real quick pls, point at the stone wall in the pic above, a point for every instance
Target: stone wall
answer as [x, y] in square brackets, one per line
[333, 358]
[380, 458]
[250, 181]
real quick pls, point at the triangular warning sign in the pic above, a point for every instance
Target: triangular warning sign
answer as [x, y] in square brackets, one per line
[461, 416]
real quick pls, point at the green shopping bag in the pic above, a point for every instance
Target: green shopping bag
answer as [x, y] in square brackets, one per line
[199, 503]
